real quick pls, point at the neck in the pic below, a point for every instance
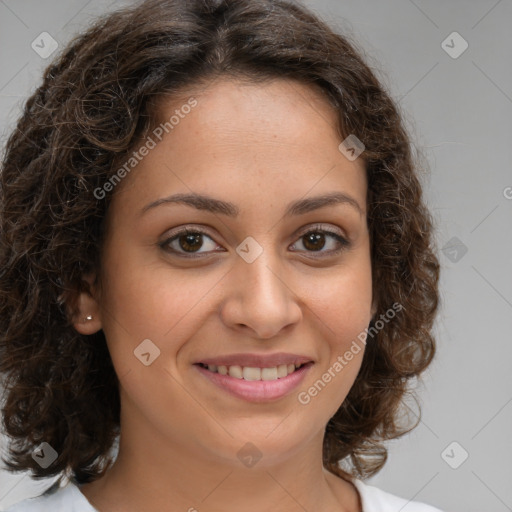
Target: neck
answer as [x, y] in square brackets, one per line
[153, 473]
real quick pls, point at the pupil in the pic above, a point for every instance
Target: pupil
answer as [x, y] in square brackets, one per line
[189, 241]
[314, 238]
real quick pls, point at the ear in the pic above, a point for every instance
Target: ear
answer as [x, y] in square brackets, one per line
[87, 319]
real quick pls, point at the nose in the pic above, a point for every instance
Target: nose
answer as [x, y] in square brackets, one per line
[259, 301]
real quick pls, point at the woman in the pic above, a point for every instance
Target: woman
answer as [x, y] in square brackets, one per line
[214, 253]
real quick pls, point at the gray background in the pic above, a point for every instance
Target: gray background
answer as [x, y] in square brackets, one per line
[459, 111]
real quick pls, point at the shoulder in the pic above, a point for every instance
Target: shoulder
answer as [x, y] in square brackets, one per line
[56, 499]
[376, 500]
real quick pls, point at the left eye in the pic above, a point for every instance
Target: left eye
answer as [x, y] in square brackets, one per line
[315, 241]
[187, 242]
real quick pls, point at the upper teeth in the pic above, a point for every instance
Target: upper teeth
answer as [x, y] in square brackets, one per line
[252, 373]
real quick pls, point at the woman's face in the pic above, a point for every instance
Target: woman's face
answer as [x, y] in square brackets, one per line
[258, 284]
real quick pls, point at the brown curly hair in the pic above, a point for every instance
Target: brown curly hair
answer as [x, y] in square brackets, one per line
[95, 101]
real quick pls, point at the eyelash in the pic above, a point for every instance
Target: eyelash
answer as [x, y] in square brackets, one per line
[343, 242]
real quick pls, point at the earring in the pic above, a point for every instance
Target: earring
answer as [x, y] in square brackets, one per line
[88, 317]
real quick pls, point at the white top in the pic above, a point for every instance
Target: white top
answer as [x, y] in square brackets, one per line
[69, 498]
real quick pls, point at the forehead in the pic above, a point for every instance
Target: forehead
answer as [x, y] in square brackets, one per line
[226, 91]
[279, 133]
[281, 111]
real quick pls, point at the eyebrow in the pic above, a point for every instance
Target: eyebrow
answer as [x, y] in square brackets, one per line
[210, 204]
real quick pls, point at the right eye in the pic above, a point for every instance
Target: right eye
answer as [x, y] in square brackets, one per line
[187, 242]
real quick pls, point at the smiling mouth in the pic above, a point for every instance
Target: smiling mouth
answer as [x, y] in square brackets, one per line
[253, 373]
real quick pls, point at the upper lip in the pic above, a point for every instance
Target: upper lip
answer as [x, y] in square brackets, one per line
[256, 360]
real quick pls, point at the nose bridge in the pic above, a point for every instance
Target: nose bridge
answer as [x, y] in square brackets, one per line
[261, 280]
[261, 298]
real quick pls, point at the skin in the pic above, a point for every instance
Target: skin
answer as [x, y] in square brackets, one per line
[259, 146]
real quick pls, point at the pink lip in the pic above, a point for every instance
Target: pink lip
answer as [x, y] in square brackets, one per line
[256, 360]
[257, 390]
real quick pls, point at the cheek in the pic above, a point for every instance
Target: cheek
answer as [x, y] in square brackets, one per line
[150, 301]
[342, 307]
[342, 302]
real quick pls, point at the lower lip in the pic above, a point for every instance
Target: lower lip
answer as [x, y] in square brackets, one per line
[257, 390]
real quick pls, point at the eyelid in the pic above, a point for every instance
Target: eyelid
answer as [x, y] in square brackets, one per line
[321, 227]
[181, 231]
[334, 232]
[342, 239]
